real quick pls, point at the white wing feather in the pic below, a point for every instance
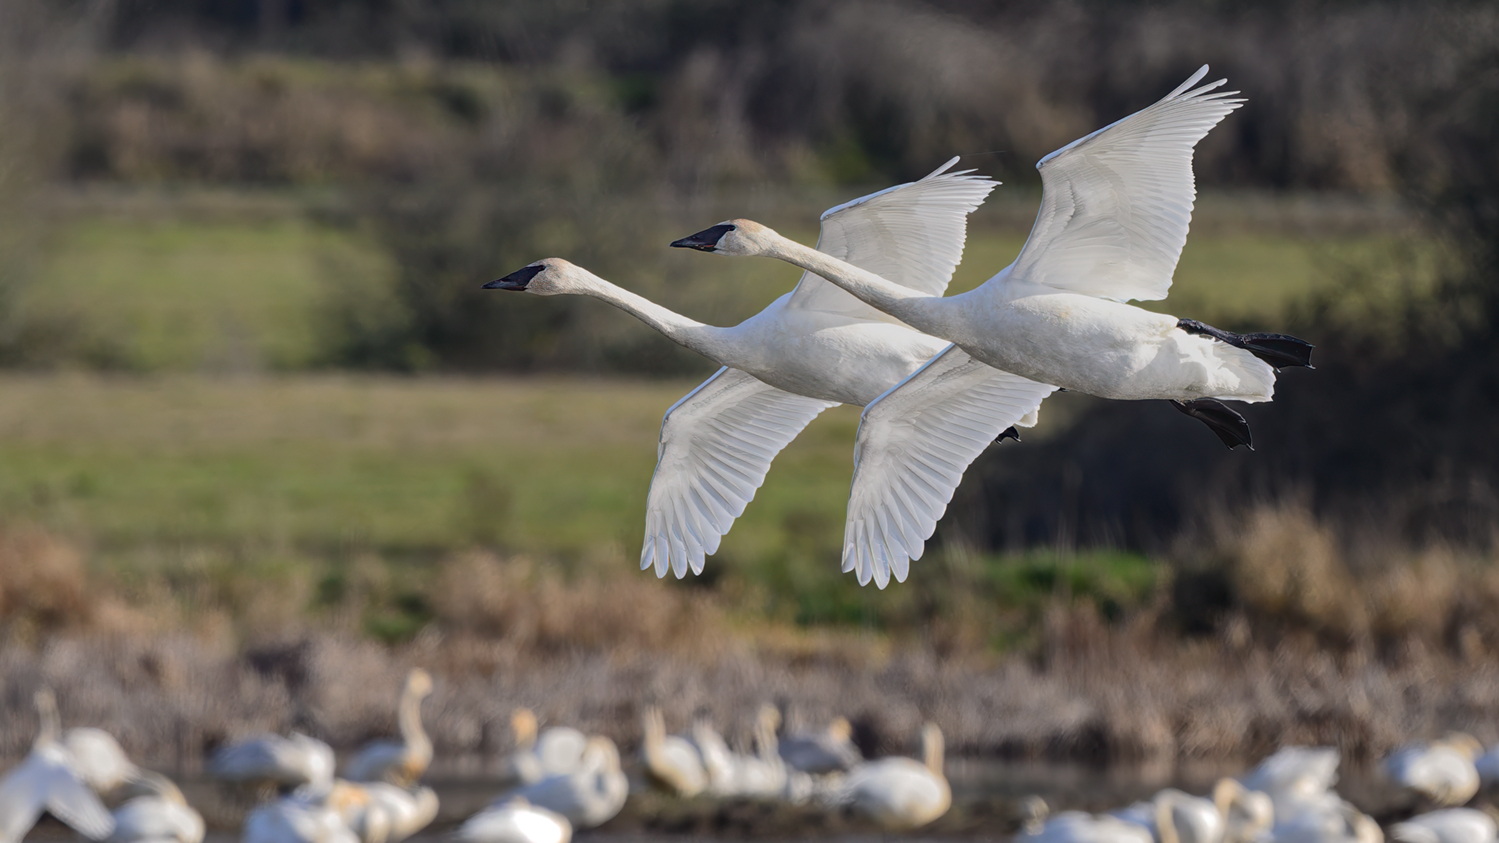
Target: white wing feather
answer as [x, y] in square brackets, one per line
[1116, 204]
[46, 782]
[914, 444]
[716, 446]
[911, 234]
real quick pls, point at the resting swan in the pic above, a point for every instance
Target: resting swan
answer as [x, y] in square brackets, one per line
[587, 797]
[831, 750]
[515, 821]
[1442, 771]
[399, 762]
[282, 763]
[671, 761]
[1112, 224]
[901, 794]
[48, 781]
[1450, 825]
[811, 349]
[156, 812]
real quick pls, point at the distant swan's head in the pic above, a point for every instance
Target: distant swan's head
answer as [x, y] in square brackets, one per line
[742, 238]
[548, 277]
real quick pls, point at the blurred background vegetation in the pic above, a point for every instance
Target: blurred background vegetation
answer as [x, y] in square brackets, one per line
[250, 385]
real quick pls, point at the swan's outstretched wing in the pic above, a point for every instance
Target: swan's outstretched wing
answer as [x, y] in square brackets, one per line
[911, 234]
[716, 446]
[46, 782]
[1116, 204]
[914, 444]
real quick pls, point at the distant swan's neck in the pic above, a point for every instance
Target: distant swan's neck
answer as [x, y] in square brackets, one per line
[410, 716]
[707, 340]
[905, 304]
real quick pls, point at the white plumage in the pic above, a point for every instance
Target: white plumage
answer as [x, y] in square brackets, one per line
[1442, 771]
[160, 814]
[399, 762]
[587, 797]
[49, 781]
[809, 350]
[830, 750]
[900, 794]
[671, 761]
[515, 821]
[1450, 825]
[286, 762]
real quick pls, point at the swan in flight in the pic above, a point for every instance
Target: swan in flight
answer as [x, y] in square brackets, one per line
[399, 762]
[515, 821]
[157, 813]
[1442, 771]
[811, 349]
[283, 763]
[1449, 825]
[48, 781]
[589, 796]
[671, 761]
[900, 794]
[538, 754]
[831, 750]
[1113, 221]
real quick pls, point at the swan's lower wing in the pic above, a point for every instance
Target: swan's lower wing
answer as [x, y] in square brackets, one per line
[914, 444]
[69, 799]
[716, 446]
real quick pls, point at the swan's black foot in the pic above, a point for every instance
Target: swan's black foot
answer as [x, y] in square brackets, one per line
[1279, 350]
[1010, 433]
[1228, 425]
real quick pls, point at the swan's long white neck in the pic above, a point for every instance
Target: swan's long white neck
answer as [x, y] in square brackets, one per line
[410, 720]
[905, 304]
[707, 340]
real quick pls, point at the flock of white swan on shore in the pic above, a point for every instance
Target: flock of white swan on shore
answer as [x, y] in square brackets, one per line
[942, 378]
[561, 779]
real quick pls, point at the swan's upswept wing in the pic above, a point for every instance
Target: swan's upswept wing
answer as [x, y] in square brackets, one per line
[914, 444]
[911, 234]
[45, 782]
[716, 446]
[1116, 203]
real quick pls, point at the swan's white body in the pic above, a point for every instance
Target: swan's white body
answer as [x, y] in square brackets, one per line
[554, 751]
[587, 797]
[407, 811]
[830, 750]
[159, 815]
[1080, 827]
[1112, 224]
[809, 350]
[399, 762]
[1443, 771]
[49, 781]
[297, 819]
[1450, 825]
[288, 762]
[1327, 820]
[1232, 815]
[100, 759]
[515, 821]
[1295, 773]
[671, 761]
[900, 793]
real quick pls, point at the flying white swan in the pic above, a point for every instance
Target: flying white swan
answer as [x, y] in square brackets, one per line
[1442, 771]
[515, 821]
[811, 349]
[399, 762]
[1113, 220]
[284, 763]
[157, 813]
[587, 797]
[1450, 825]
[671, 761]
[830, 750]
[538, 754]
[900, 794]
[48, 781]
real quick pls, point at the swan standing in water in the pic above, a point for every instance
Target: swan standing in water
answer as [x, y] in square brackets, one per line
[1442, 771]
[399, 762]
[158, 814]
[671, 761]
[282, 763]
[515, 821]
[1450, 825]
[1113, 220]
[48, 781]
[587, 797]
[901, 794]
[811, 349]
[538, 754]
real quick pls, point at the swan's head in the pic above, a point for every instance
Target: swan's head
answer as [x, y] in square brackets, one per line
[548, 277]
[741, 238]
[419, 683]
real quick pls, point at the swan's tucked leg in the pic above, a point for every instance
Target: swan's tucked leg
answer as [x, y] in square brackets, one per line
[1279, 350]
[1229, 426]
[1009, 433]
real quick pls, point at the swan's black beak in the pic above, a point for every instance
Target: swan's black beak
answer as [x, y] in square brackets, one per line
[517, 280]
[705, 240]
